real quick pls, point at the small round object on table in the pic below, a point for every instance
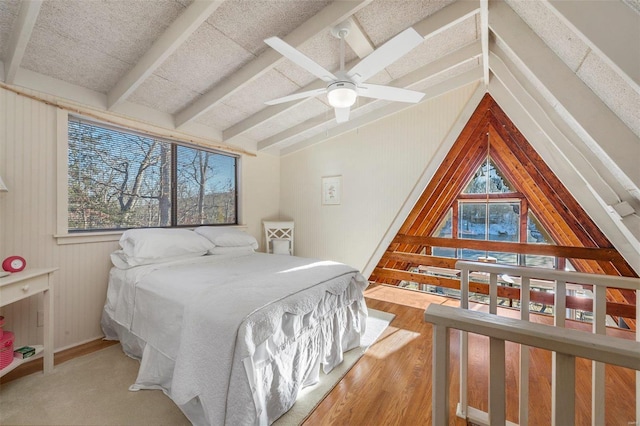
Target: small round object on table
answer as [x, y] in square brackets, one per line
[14, 264]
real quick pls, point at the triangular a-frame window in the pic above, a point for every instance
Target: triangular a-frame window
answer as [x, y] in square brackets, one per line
[489, 208]
[488, 179]
[494, 197]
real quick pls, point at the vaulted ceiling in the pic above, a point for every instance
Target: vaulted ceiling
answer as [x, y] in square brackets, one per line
[205, 68]
[569, 69]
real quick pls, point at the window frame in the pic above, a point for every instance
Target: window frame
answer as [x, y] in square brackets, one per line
[64, 235]
[488, 198]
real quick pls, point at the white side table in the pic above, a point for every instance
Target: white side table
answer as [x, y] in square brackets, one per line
[21, 285]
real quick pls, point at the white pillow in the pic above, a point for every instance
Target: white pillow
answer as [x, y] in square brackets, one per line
[158, 243]
[281, 246]
[232, 250]
[122, 261]
[227, 237]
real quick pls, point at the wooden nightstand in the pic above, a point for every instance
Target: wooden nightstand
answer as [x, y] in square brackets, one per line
[21, 285]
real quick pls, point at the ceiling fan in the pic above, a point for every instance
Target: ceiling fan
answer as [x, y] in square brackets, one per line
[343, 88]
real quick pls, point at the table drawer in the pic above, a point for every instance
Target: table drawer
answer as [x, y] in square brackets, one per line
[19, 290]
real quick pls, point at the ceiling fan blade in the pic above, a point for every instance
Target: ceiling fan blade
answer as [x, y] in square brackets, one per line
[386, 54]
[389, 93]
[293, 97]
[300, 59]
[342, 114]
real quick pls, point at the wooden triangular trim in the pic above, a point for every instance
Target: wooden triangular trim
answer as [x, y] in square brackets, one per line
[489, 131]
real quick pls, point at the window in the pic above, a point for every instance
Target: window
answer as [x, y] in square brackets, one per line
[123, 179]
[490, 209]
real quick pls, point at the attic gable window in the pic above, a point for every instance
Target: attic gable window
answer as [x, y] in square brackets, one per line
[490, 209]
[120, 179]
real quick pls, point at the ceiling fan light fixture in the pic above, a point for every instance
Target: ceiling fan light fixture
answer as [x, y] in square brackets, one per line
[342, 94]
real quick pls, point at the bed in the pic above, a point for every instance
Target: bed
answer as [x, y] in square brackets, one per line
[230, 337]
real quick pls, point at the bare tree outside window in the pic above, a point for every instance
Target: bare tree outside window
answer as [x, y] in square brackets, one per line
[120, 180]
[206, 193]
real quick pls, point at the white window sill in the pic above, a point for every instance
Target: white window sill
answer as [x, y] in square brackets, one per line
[88, 237]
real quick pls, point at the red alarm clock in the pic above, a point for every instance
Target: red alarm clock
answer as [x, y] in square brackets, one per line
[14, 264]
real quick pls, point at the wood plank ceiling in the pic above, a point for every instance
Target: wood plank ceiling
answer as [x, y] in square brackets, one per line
[490, 132]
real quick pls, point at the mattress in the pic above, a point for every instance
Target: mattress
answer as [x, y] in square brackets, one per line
[232, 339]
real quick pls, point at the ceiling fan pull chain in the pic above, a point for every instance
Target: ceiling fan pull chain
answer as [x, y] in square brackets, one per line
[342, 35]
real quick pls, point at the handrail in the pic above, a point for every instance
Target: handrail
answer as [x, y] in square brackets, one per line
[559, 280]
[568, 344]
[613, 281]
[607, 349]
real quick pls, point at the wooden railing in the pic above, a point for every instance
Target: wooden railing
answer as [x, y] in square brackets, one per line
[559, 279]
[394, 265]
[565, 344]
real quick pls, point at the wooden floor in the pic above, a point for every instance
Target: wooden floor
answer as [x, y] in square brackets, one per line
[391, 383]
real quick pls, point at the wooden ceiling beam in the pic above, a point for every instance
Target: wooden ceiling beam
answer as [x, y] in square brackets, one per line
[331, 15]
[588, 116]
[442, 65]
[27, 16]
[436, 90]
[434, 24]
[164, 46]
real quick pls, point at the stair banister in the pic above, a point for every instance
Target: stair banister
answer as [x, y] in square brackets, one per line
[559, 280]
[568, 344]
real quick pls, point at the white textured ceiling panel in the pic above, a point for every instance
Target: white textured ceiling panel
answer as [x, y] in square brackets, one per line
[383, 19]
[95, 36]
[205, 59]
[563, 41]
[221, 116]
[307, 110]
[612, 89]
[8, 15]
[435, 47]
[249, 22]
[163, 95]
[66, 59]
[251, 98]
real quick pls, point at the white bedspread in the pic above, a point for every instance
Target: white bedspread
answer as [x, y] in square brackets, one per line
[241, 333]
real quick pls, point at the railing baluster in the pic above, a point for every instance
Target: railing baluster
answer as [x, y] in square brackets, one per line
[597, 368]
[493, 293]
[565, 395]
[523, 397]
[559, 319]
[560, 304]
[464, 344]
[440, 376]
[497, 395]
[559, 364]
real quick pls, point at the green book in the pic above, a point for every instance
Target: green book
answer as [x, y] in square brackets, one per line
[24, 352]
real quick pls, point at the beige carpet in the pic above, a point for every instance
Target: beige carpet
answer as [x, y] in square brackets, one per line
[93, 390]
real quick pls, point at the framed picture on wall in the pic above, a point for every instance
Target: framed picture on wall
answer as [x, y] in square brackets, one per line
[331, 190]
